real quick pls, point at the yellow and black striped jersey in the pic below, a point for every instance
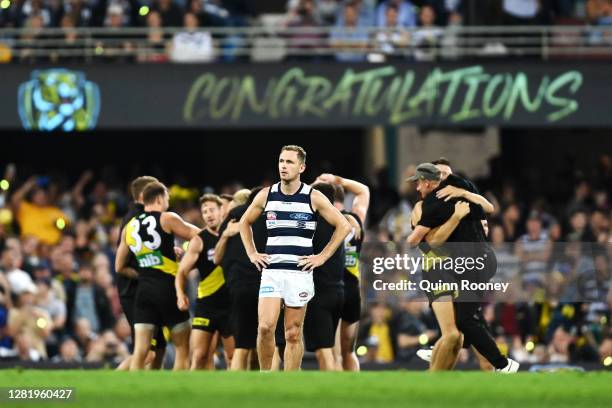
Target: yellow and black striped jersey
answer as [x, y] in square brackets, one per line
[352, 248]
[150, 244]
[211, 275]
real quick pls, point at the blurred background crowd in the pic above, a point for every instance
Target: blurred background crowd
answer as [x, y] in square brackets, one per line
[58, 238]
[387, 29]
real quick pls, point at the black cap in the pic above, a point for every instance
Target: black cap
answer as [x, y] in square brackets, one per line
[425, 171]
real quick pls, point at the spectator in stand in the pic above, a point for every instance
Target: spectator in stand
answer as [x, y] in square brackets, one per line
[79, 13]
[350, 40]
[84, 336]
[29, 325]
[32, 8]
[392, 40]
[155, 47]
[170, 12]
[426, 39]
[534, 250]
[407, 13]
[45, 299]
[377, 334]
[89, 301]
[68, 352]
[599, 12]
[303, 18]
[36, 215]
[17, 278]
[70, 44]
[192, 45]
[412, 329]
[510, 218]
[446, 11]
[521, 12]
[207, 17]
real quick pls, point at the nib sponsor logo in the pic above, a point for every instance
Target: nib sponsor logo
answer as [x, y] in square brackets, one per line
[149, 260]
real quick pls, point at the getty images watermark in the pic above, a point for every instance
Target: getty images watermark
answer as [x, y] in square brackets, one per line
[437, 273]
[496, 272]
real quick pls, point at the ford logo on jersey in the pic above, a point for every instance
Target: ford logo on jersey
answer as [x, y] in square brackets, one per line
[300, 216]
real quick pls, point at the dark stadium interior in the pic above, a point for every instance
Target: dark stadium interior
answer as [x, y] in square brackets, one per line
[206, 157]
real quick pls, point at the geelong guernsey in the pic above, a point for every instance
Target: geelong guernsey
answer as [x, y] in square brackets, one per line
[291, 223]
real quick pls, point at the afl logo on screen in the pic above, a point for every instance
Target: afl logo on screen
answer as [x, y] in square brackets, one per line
[271, 215]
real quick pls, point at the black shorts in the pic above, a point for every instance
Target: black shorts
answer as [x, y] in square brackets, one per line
[155, 303]
[351, 308]
[212, 314]
[322, 316]
[244, 315]
[127, 303]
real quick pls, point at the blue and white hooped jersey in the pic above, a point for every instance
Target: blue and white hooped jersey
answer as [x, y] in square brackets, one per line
[291, 223]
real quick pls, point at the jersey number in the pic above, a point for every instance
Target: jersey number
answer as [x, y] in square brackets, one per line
[151, 244]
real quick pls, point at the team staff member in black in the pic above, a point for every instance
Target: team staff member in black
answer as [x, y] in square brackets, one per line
[126, 287]
[324, 309]
[212, 311]
[242, 278]
[150, 237]
[463, 314]
[351, 309]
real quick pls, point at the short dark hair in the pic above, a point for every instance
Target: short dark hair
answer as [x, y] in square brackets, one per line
[338, 193]
[298, 149]
[325, 188]
[152, 191]
[227, 197]
[442, 160]
[138, 185]
[211, 198]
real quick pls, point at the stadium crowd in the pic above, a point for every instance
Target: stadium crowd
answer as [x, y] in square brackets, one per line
[402, 28]
[58, 300]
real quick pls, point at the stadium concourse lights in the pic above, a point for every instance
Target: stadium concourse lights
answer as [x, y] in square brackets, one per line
[143, 11]
[4, 4]
[608, 361]
[4, 184]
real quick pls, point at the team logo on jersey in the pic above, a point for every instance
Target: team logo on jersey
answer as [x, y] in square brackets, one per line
[300, 216]
[271, 215]
[303, 294]
[58, 100]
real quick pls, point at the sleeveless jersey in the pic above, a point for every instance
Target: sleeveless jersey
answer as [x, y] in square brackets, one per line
[151, 245]
[291, 223]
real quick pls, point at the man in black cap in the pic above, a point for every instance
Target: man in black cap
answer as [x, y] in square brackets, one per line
[462, 314]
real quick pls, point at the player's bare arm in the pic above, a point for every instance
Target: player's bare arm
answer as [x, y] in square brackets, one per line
[361, 202]
[321, 204]
[187, 263]
[246, 230]
[450, 192]
[354, 225]
[439, 235]
[174, 224]
[121, 259]
[417, 235]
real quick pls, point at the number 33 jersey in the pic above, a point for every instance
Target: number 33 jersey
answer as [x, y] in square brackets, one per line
[151, 245]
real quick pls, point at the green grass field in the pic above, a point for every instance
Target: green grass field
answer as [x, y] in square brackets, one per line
[387, 389]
